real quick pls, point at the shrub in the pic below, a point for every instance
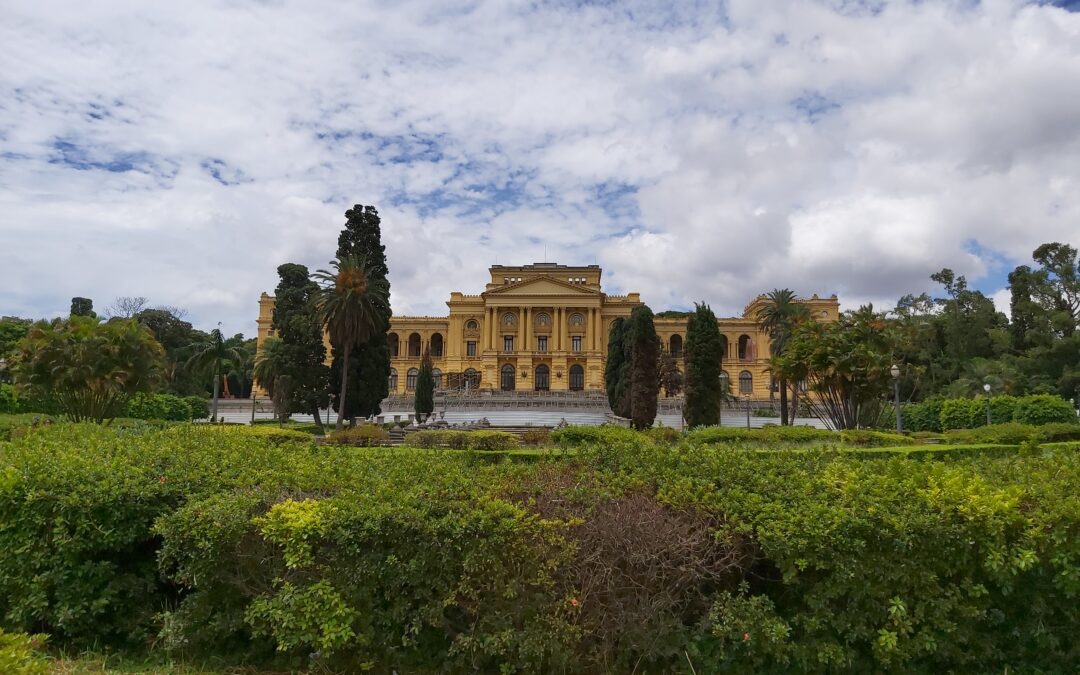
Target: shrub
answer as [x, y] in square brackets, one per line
[1002, 408]
[1044, 409]
[873, 439]
[200, 407]
[491, 440]
[768, 435]
[962, 413]
[20, 654]
[143, 406]
[536, 437]
[364, 435]
[271, 434]
[1053, 433]
[663, 434]
[16, 426]
[578, 436]
[9, 400]
[1012, 433]
[429, 438]
[925, 416]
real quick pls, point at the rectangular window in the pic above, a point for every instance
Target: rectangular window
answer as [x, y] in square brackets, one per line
[470, 348]
[575, 343]
[541, 343]
[508, 343]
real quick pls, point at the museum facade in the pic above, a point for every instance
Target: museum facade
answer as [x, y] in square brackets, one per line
[544, 327]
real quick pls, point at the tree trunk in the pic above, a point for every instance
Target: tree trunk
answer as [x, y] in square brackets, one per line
[217, 384]
[344, 384]
[794, 403]
[253, 404]
[783, 404]
[318, 420]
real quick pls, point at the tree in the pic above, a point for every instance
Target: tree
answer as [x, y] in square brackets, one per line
[82, 307]
[270, 367]
[424, 402]
[617, 368]
[176, 337]
[89, 368]
[778, 317]
[125, 307]
[362, 238]
[213, 357]
[969, 321]
[704, 356]
[12, 329]
[644, 367]
[671, 378]
[351, 302]
[296, 321]
[1056, 286]
[845, 363]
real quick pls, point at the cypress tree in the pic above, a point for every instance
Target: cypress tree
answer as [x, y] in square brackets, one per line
[82, 307]
[703, 367]
[617, 369]
[303, 352]
[369, 363]
[644, 346]
[424, 403]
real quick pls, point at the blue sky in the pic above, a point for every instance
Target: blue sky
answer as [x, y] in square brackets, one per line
[697, 151]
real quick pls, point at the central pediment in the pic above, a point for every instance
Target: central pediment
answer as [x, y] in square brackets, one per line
[547, 286]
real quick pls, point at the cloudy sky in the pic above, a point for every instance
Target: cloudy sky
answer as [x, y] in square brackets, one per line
[697, 151]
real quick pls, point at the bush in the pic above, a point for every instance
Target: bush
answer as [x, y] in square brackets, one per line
[144, 406]
[873, 439]
[462, 440]
[364, 435]
[1044, 409]
[925, 416]
[20, 654]
[1002, 408]
[16, 426]
[1012, 433]
[663, 434]
[536, 437]
[491, 440]
[200, 407]
[768, 435]
[429, 438]
[9, 400]
[962, 413]
[579, 436]
[271, 434]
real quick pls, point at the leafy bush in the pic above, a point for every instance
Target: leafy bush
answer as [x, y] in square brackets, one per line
[491, 440]
[1044, 409]
[962, 413]
[536, 437]
[9, 400]
[200, 407]
[578, 436]
[1053, 433]
[664, 434]
[143, 406]
[364, 435]
[925, 416]
[20, 654]
[1015, 433]
[271, 434]
[15, 426]
[874, 439]
[1002, 408]
[767, 434]
[462, 440]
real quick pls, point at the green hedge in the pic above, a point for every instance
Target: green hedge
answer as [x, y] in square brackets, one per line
[630, 555]
[159, 407]
[1015, 433]
[200, 407]
[938, 415]
[364, 435]
[20, 654]
[462, 440]
[1044, 409]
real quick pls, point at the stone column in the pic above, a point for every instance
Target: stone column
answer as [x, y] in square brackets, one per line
[491, 327]
[594, 340]
[558, 330]
[527, 345]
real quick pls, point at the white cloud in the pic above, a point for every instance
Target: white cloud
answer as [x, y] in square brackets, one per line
[696, 154]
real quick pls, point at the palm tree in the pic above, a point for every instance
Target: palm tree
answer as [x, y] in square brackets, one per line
[781, 313]
[214, 356]
[269, 368]
[351, 301]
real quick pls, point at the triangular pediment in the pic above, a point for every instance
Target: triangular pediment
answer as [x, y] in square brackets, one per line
[543, 286]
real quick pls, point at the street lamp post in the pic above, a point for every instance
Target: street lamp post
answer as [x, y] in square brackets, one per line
[895, 372]
[748, 411]
[986, 388]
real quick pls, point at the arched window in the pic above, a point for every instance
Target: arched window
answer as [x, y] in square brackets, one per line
[509, 319]
[472, 378]
[676, 345]
[542, 381]
[472, 325]
[746, 382]
[543, 320]
[414, 344]
[725, 381]
[436, 375]
[436, 345]
[393, 380]
[745, 348]
[507, 381]
[577, 378]
[392, 343]
[577, 319]
[410, 379]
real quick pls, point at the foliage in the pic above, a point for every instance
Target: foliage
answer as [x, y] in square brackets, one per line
[644, 367]
[962, 413]
[199, 406]
[12, 330]
[82, 307]
[925, 416]
[176, 337]
[369, 362]
[144, 406]
[300, 355]
[704, 356]
[16, 426]
[671, 378]
[765, 435]
[424, 400]
[463, 440]
[352, 301]
[364, 435]
[89, 368]
[213, 356]
[1015, 433]
[20, 654]
[845, 363]
[9, 400]
[662, 434]
[778, 317]
[1044, 409]
[617, 368]
[607, 435]
[873, 439]
[536, 437]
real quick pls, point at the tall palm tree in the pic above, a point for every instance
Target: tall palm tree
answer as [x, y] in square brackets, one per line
[214, 357]
[781, 313]
[350, 302]
[270, 366]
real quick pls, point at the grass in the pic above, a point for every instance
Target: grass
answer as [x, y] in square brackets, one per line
[116, 664]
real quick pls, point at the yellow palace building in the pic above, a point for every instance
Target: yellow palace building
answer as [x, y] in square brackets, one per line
[544, 327]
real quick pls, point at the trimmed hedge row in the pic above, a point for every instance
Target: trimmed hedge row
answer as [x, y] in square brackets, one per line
[634, 554]
[938, 415]
[141, 406]
[462, 440]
